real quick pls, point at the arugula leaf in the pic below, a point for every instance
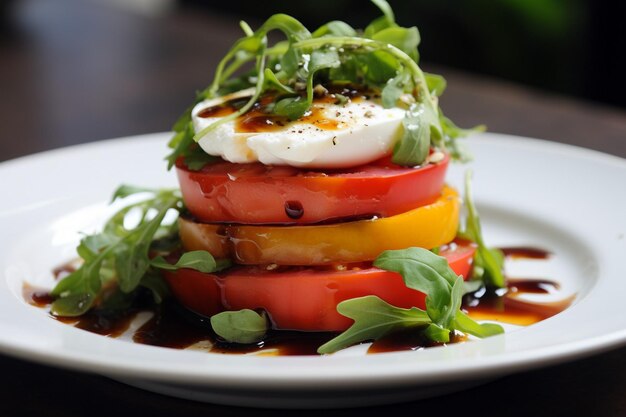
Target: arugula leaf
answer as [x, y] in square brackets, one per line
[346, 73]
[334, 28]
[243, 326]
[126, 190]
[405, 39]
[271, 82]
[198, 260]
[488, 262]
[426, 272]
[182, 142]
[373, 319]
[451, 132]
[292, 107]
[321, 59]
[386, 9]
[436, 84]
[423, 271]
[196, 158]
[385, 21]
[115, 253]
[465, 324]
[76, 293]
[290, 63]
[395, 88]
[131, 253]
[121, 255]
[414, 146]
[318, 60]
[182, 123]
[377, 67]
[292, 28]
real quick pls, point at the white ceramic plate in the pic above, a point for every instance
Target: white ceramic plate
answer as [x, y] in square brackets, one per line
[529, 192]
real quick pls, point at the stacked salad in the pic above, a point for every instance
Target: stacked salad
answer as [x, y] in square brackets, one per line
[312, 198]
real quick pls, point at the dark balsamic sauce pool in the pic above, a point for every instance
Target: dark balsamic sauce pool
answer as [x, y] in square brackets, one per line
[173, 326]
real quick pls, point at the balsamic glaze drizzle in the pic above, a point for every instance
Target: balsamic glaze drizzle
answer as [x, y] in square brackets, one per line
[173, 326]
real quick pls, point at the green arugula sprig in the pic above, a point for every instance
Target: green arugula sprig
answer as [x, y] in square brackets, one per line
[423, 271]
[242, 326]
[488, 262]
[383, 56]
[120, 255]
[373, 319]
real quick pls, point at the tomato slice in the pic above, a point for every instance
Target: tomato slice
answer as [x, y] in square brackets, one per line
[428, 226]
[259, 194]
[298, 298]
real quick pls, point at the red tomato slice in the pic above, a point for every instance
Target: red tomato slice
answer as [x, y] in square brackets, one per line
[300, 298]
[255, 194]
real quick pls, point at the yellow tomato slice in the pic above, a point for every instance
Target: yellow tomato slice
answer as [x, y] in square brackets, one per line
[427, 226]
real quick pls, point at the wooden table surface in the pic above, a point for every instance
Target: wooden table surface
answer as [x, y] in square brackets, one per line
[74, 72]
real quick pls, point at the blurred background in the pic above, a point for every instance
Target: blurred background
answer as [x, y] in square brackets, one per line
[80, 70]
[576, 47]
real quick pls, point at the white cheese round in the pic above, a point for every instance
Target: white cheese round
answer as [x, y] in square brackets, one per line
[330, 136]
